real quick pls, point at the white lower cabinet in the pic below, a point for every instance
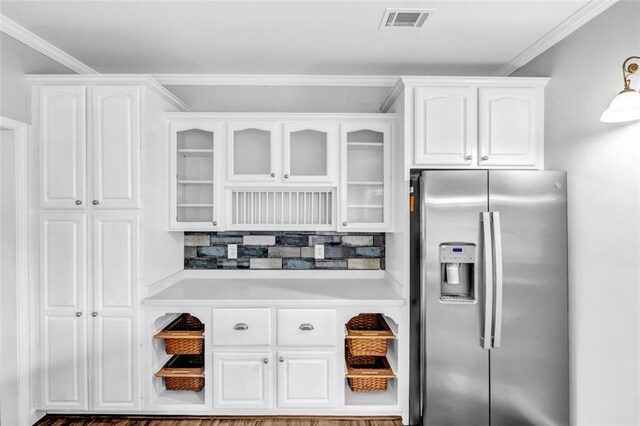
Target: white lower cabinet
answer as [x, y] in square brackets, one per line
[306, 378]
[89, 343]
[242, 379]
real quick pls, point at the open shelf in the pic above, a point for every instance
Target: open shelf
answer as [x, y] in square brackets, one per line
[195, 182]
[160, 395]
[186, 152]
[384, 398]
[168, 397]
[365, 144]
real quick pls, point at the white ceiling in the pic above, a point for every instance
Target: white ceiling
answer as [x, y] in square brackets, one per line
[291, 37]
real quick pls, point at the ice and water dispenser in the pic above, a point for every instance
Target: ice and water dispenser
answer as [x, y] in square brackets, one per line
[457, 272]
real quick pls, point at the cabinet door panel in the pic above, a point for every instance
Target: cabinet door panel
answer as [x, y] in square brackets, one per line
[252, 152]
[309, 152]
[445, 126]
[62, 140]
[195, 176]
[241, 380]
[306, 379]
[115, 146]
[115, 266]
[63, 262]
[508, 126]
[365, 177]
[114, 363]
[64, 362]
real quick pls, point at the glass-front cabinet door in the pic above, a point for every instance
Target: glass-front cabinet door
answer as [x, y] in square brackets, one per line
[309, 152]
[251, 152]
[365, 198]
[195, 175]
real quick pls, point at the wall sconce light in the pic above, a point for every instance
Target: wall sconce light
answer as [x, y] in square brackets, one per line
[625, 106]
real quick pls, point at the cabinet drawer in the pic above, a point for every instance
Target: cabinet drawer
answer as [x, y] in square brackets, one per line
[306, 327]
[241, 327]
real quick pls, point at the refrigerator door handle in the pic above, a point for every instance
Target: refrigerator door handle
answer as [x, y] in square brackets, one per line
[487, 253]
[497, 253]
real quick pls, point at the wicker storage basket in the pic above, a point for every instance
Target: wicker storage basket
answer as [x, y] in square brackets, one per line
[368, 334]
[183, 372]
[368, 373]
[184, 336]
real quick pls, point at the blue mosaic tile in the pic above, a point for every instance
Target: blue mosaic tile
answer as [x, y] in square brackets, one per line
[200, 263]
[369, 251]
[292, 240]
[298, 263]
[331, 264]
[226, 239]
[252, 251]
[331, 252]
[213, 251]
[233, 264]
[324, 239]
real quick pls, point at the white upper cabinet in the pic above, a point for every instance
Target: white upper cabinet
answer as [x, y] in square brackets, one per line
[365, 176]
[479, 122]
[115, 146]
[510, 121]
[195, 175]
[252, 152]
[62, 139]
[445, 126]
[309, 154]
[89, 151]
[294, 172]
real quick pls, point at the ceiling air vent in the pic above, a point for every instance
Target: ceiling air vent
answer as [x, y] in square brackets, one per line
[404, 19]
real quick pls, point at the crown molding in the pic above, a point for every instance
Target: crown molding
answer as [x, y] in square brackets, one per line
[564, 29]
[138, 79]
[274, 80]
[25, 36]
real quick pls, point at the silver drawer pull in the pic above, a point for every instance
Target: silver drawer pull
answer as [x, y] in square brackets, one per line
[306, 327]
[241, 326]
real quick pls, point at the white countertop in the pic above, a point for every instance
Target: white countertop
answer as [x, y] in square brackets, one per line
[280, 291]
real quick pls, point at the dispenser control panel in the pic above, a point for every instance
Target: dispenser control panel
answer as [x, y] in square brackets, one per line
[461, 253]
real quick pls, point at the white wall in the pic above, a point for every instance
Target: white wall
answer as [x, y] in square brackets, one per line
[281, 98]
[18, 59]
[8, 278]
[603, 165]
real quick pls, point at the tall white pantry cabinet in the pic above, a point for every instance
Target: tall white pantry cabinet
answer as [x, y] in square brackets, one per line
[88, 216]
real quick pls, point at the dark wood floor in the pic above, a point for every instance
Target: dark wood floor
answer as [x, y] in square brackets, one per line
[59, 420]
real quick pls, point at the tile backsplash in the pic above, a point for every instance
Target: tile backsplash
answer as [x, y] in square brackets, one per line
[284, 250]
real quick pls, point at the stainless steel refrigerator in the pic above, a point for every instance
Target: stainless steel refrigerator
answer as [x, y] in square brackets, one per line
[489, 298]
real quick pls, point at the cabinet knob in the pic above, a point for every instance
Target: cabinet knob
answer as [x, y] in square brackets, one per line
[306, 327]
[286, 176]
[95, 202]
[78, 202]
[241, 326]
[78, 314]
[281, 359]
[468, 157]
[273, 175]
[485, 157]
[344, 223]
[215, 223]
[265, 360]
[94, 314]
